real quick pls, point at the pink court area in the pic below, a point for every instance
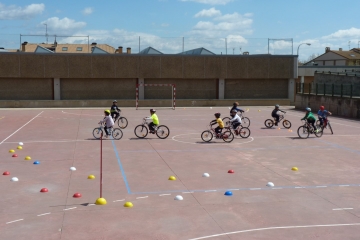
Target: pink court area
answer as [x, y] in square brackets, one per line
[321, 200]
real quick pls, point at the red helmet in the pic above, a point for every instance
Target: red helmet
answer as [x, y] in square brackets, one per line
[322, 108]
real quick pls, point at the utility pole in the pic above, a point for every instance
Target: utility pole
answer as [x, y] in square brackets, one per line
[46, 33]
[349, 44]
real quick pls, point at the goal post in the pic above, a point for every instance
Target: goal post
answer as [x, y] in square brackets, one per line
[173, 92]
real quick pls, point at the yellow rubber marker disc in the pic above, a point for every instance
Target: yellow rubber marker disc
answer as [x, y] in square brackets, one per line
[128, 205]
[27, 158]
[19, 147]
[11, 151]
[172, 178]
[91, 177]
[100, 201]
[294, 169]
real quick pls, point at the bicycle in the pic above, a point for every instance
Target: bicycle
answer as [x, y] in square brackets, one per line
[141, 131]
[269, 123]
[326, 123]
[245, 121]
[208, 135]
[116, 133]
[305, 130]
[240, 131]
[121, 121]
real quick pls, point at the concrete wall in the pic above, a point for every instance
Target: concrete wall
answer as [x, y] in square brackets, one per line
[36, 65]
[131, 103]
[93, 88]
[29, 89]
[256, 88]
[336, 79]
[185, 89]
[344, 107]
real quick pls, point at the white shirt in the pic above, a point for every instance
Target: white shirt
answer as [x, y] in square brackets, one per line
[108, 120]
[236, 118]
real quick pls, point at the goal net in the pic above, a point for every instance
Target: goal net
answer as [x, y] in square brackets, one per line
[173, 92]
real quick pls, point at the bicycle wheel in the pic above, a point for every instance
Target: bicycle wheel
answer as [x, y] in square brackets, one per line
[226, 121]
[330, 128]
[269, 123]
[287, 124]
[303, 132]
[244, 132]
[97, 133]
[206, 136]
[162, 131]
[245, 122]
[141, 131]
[228, 136]
[117, 133]
[122, 122]
[319, 133]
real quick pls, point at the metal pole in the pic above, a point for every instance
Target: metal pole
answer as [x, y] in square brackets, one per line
[101, 179]
[268, 46]
[139, 44]
[225, 46]
[183, 45]
[351, 90]
[292, 46]
[324, 89]
[316, 89]
[341, 88]
[20, 43]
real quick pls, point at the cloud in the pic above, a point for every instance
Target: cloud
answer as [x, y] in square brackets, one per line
[165, 24]
[223, 25]
[14, 12]
[212, 12]
[210, 2]
[347, 33]
[87, 11]
[63, 26]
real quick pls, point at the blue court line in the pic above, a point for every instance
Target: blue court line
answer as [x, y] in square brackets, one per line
[252, 189]
[121, 168]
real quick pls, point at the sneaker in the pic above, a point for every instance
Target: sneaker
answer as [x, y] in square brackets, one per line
[276, 124]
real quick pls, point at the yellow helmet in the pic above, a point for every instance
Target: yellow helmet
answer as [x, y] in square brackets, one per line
[107, 111]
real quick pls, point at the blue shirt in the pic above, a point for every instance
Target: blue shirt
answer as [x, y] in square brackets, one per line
[323, 114]
[237, 109]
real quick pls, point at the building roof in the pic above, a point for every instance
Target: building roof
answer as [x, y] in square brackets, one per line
[150, 50]
[98, 50]
[198, 51]
[69, 48]
[351, 55]
[40, 49]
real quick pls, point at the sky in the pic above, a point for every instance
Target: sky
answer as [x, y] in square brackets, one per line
[171, 26]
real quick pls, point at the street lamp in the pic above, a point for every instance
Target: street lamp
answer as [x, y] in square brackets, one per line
[46, 33]
[300, 45]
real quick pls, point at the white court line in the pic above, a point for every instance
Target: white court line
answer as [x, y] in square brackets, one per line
[43, 214]
[69, 208]
[320, 186]
[20, 128]
[91, 204]
[210, 190]
[255, 188]
[119, 200]
[344, 185]
[273, 228]
[167, 194]
[336, 209]
[15, 221]
[187, 192]
[276, 188]
[142, 197]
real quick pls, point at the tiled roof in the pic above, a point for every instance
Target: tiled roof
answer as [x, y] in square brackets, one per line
[351, 55]
[69, 48]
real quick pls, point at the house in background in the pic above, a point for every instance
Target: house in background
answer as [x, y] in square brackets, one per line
[67, 48]
[330, 61]
[150, 50]
[198, 51]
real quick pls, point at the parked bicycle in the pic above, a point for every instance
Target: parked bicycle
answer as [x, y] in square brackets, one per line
[245, 121]
[208, 135]
[326, 124]
[116, 133]
[141, 131]
[269, 123]
[305, 130]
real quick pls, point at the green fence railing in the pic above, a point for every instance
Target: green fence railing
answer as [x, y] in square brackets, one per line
[324, 89]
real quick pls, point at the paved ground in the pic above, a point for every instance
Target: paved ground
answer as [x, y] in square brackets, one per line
[320, 201]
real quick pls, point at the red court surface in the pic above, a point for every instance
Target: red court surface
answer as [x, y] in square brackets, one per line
[319, 201]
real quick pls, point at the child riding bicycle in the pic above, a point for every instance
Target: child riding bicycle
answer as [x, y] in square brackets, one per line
[235, 121]
[235, 107]
[115, 111]
[275, 113]
[322, 115]
[310, 118]
[218, 121]
[109, 122]
[155, 121]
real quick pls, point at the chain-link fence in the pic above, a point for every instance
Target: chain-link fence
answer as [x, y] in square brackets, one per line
[338, 90]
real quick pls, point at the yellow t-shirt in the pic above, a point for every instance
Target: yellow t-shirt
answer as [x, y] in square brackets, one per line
[220, 122]
[155, 119]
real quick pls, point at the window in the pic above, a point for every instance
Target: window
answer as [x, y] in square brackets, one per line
[64, 48]
[79, 49]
